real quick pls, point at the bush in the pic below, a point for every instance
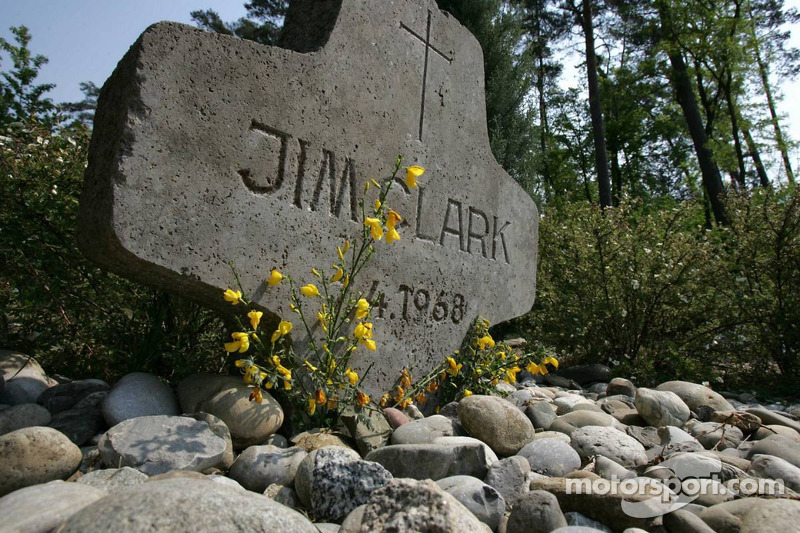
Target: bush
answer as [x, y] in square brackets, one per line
[77, 319]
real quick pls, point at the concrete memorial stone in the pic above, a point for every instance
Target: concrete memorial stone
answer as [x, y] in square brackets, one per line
[209, 149]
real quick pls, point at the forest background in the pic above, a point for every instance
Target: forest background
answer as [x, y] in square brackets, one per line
[670, 219]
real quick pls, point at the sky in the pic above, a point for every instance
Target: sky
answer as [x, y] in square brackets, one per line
[84, 39]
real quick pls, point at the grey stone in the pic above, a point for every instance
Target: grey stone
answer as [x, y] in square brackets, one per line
[551, 457]
[536, 512]
[715, 435]
[491, 457]
[424, 430]
[620, 386]
[496, 422]
[541, 414]
[370, 430]
[647, 436]
[42, 508]
[332, 481]
[35, 455]
[577, 529]
[80, 425]
[695, 395]
[158, 444]
[396, 417]
[277, 440]
[586, 374]
[771, 429]
[608, 469]
[579, 418]
[113, 480]
[139, 394]
[224, 480]
[22, 416]
[24, 387]
[661, 408]
[186, 505]
[509, 477]
[479, 498]
[283, 495]
[65, 395]
[406, 505]
[553, 435]
[228, 398]
[566, 403]
[607, 441]
[578, 520]
[682, 521]
[316, 438]
[778, 445]
[257, 467]
[221, 430]
[771, 417]
[431, 461]
[721, 520]
[259, 163]
[672, 435]
[776, 515]
[12, 361]
[771, 467]
[352, 522]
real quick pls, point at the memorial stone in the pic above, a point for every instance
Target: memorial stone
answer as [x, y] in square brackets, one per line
[209, 149]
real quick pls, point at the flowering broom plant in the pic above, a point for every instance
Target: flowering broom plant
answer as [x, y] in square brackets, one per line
[320, 382]
[476, 368]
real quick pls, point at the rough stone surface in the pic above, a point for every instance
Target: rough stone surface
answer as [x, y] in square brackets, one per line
[186, 505]
[768, 466]
[496, 422]
[367, 436]
[42, 508]
[35, 455]
[481, 499]
[158, 444]
[661, 408]
[509, 477]
[621, 386]
[491, 457]
[226, 141]
[221, 430]
[551, 457]
[536, 512]
[425, 430]
[695, 395]
[315, 439]
[22, 416]
[113, 479]
[607, 441]
[777, 515]
[431, 461]
[65, 395]
[139, 394]
[778, 445]
[713, 434]
[333, 481]
[257, 467]
[406, 505]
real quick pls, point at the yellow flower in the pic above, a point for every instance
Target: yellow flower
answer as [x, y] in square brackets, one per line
[543, 369]
[511, 374]
[284, 328]
[310, 290]
[375, 183]
[285, 372]
[336, 277]
[332, 366]
[311, 408]
[232, 296]
[287, 385]
[274, 278]
[362, 399]
[385, 400]
[320, 397]
[502, 355]
[454, 368]
[392, 236]
[412, 173]
[550, 360]
[369, 343]
[332, 402]
[340, 253]
[351, 376]
[392, 218]
[421, 398]
[256, 395]
[467, 392]
[375, 229]
[363, 331]
[255, 318]
[346, 246]
[309, 366]
[346, 281]
[362, 308]
[377, 204]
[241, 362]
[240, 343]
[405, 379]
[485, 341]
[250, 374]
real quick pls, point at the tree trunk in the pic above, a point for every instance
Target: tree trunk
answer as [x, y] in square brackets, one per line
[762, 70]
[763, 178]
[733, 112]
[595, 108]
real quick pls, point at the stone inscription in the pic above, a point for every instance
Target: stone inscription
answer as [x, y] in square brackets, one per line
[326, 183]
[419, 305]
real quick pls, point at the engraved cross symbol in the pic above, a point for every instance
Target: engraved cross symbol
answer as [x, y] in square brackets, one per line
[426, 40]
